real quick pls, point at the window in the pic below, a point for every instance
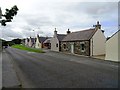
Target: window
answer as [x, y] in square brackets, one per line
[82, 46]
[64, 46]
[57, 45]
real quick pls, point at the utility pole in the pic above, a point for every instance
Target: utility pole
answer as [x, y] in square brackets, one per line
[34, 37]
[0, 13]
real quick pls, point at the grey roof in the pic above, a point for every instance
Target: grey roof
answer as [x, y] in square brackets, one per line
[47, 40]
[61, 36]
[80, 35]
[33, 39]
[42, 39]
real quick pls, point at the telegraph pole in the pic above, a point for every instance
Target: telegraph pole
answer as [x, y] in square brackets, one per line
[0, 13]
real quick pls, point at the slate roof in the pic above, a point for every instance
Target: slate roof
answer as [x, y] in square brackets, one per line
[80, 35]
[33, 39]
[42, 39]
[47, 40]
[61, 36]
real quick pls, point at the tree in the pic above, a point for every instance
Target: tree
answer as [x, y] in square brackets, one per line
[16, 41]
[9, 14]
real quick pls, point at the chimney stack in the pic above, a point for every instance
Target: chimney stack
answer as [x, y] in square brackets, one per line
[37, 36]
[97, 26]
[55, 33]
[68, 32]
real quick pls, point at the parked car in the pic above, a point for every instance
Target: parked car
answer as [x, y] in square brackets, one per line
[5, 47]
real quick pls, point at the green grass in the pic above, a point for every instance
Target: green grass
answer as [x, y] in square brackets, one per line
[22, 47]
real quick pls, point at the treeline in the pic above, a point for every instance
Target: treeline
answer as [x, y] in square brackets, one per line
[10, 43]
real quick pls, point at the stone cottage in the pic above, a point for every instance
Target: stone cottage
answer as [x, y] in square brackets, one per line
[88, 42]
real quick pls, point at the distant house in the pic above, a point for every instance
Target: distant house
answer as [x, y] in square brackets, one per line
[47, 43]
[88, 42]
[56, 41]
[27, 42]
[32, 42]
[39, 42]
[23, 41]
[113, 48]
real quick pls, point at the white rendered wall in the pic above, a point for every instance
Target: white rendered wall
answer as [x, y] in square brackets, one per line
[97, 45]
[54, 41]
[112, 48]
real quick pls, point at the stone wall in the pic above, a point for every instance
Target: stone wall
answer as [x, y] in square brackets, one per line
[66, 47]
[78, 50]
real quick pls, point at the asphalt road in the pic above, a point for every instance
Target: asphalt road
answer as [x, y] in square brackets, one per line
[58, 70]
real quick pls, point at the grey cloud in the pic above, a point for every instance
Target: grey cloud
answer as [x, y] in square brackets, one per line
[7, 33]
[38, 21]
[93, 7]
[62, 15]
[109, 31]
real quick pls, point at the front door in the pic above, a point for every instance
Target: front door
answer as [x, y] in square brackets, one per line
[72, 47]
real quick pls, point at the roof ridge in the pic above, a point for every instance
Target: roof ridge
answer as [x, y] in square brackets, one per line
[83, 30]
[114, 34]
[61, 34]
[80, 35]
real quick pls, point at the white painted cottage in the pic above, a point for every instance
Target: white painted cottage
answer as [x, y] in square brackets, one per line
[30, 42]
[27, 42]
[56, 41]
[39, 42]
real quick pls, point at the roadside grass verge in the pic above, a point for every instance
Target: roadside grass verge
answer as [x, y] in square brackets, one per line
[22, 47]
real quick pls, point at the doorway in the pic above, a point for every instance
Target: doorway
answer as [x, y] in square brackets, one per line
[72, 47]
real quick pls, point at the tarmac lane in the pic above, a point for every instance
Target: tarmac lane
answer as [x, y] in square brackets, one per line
[58, 70]
[9, 76]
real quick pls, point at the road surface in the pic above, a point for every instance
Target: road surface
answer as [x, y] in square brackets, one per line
[59, 70]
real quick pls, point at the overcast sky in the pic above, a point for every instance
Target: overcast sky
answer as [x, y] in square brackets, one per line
[45, 15]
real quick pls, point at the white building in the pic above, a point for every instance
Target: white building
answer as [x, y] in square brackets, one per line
[56, 41]
[39, 42]
[113, 48]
